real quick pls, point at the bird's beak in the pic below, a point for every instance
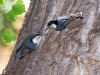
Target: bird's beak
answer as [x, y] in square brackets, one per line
[46, 29]
[50, 27]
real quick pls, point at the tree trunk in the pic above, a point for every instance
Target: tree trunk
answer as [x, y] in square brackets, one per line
[73, 51]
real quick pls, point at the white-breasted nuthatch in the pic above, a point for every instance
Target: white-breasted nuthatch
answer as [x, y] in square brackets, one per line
[30, 44]
[61, 23]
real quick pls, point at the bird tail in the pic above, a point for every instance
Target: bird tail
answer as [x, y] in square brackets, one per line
[79, 17]
[18, 53]
[19, 50]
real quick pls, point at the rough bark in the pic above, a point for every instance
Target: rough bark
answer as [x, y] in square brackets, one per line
[73, 51]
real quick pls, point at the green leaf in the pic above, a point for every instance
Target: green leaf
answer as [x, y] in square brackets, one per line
[18, 8]
[1, 1]
[10, 16]
[9, 36]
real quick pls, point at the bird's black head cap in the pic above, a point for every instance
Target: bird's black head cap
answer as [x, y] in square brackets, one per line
[49, 23]
[52, 22]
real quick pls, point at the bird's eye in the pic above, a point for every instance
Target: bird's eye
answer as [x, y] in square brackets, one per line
[38, 37]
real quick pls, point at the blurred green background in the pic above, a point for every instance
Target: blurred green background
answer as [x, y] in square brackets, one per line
[7, 48]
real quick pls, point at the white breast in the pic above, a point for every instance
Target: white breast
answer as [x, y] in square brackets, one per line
[54, 26]
[36, 40]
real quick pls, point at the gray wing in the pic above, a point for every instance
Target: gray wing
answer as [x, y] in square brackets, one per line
[67, 22]
[63, 23]
[32, 47]
[63, 18]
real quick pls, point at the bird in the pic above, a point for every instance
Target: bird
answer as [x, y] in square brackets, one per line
[30, 44]
[61, 23]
